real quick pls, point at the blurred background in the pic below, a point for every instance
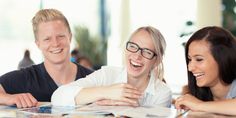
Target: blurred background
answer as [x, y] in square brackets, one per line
[101, 27]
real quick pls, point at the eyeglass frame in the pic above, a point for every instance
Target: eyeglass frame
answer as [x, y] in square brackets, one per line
[142, 50]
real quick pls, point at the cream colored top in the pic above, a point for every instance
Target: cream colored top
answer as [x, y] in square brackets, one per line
[157, 92]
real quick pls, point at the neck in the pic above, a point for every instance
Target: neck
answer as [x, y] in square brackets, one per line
[61, 73]
[220, 91]
[139, 82]
[52, 67]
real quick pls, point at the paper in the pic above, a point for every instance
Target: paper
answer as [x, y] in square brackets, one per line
[137, 112]
[117, 111]
[96, 109]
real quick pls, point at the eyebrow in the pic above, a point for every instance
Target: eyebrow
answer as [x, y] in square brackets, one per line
[197, 55]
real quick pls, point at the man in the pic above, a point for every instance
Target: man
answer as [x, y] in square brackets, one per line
[25, 87]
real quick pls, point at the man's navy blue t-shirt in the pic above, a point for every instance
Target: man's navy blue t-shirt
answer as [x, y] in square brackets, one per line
[35, 80]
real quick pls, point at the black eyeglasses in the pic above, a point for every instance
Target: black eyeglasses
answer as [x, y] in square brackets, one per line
[146, 53]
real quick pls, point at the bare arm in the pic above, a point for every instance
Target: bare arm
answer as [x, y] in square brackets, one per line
[21, 100]
[118, 93]
[222, 106]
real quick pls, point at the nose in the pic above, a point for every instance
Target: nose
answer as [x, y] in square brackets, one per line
[138, 54]
[191, 66]
[55, 42]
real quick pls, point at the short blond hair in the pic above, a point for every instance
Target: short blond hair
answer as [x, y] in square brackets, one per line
[45, 15]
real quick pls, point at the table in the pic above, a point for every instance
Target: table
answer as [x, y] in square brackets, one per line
[12, 112]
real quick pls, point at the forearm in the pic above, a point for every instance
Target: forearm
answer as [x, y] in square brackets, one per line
[222, 107]
[4, 97]
[89, 95]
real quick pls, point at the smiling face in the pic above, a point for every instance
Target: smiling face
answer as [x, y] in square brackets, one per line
[137, 65]
[202, 64]
[53, 39]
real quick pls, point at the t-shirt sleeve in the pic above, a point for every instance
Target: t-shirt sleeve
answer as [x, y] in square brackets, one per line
[13, 82]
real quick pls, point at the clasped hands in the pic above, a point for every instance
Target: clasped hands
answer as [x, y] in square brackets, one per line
[120, 95]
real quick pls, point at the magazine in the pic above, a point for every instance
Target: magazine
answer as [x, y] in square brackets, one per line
[93, 109]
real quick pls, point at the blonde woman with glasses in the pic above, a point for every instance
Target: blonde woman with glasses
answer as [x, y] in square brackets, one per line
[136, 84]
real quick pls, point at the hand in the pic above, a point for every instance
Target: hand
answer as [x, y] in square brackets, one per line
[125, 93]
[22, 100]
[109, 102]
[188, 102]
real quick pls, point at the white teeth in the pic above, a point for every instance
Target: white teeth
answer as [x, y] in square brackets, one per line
[198, 74]
[135, 64]
[56, 51]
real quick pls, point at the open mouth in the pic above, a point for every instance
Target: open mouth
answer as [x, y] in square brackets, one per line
[198, 75]
[135, 64]
[56, 51]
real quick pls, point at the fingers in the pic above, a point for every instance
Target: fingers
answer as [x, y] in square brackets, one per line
[133, 102]
[124, 93]
[182, 103]
[131, 92]
[29, 100]
[25, 100]
[128, 86]
[34, 102]
[131, 89]
[20, 102]
[130, 97]
[178, 103]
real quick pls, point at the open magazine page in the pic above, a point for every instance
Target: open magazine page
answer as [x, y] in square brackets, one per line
[143, 112]
[93, 109]
[137, 112]
[97, 109]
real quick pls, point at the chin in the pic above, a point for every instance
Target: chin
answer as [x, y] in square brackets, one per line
[132, 73]
[200, 85]
[58, 61]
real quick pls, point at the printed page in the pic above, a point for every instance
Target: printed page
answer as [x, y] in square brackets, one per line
[125, 111]
[96, 109]
[141, 112]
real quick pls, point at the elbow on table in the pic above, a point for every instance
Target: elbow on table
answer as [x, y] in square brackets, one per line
[61, 97]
